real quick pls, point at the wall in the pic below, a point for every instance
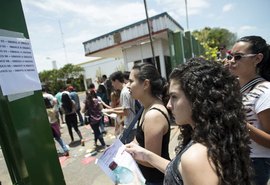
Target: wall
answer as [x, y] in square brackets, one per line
[101, 67]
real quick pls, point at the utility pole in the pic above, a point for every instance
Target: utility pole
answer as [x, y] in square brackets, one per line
[187, 15]
[191, 44]
[150, 34]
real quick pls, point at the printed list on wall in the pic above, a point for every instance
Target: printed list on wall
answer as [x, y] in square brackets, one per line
[18, 73]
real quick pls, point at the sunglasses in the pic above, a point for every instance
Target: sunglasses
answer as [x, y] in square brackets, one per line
[239, 56]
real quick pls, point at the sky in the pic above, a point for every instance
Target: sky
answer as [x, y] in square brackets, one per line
[57, 28]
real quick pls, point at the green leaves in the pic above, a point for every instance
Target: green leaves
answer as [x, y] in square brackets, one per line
[213, 38]
[57, 79]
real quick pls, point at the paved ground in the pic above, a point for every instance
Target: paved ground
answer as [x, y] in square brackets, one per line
[80, 168]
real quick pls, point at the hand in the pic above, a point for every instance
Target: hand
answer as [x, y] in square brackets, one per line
[137, 152]
[106, 110]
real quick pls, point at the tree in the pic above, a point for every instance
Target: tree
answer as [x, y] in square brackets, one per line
[213, 38]
[70, 71]
[56, 79]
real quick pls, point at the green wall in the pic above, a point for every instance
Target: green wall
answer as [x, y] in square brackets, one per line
[25, 135]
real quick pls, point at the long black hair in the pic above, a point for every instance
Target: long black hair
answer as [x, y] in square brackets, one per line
[259, 45]
[219, 118]
[67, 103]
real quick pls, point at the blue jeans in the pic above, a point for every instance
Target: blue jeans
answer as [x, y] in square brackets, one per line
[97, 134]
[61, 143]
[261, 167]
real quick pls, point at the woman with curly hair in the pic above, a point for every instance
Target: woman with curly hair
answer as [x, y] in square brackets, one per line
[206, 103]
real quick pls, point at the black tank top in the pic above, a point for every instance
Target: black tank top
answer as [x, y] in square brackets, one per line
[153, 174]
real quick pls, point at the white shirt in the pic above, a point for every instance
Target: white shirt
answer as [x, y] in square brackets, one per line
[256, 101]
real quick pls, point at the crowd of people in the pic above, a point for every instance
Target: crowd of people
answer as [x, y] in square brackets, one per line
[222, 109]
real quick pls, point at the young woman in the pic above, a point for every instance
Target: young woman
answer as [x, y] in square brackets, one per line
[250, 61]
[93, 109]
[206, 103]
[55, 126]
[69, 109]
[153, 129]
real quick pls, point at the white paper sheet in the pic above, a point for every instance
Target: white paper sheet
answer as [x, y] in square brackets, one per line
[116, 152]
[18, 73]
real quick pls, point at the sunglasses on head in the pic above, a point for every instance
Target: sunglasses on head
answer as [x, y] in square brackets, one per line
[239, 56]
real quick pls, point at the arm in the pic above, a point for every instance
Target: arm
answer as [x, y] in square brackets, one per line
[143, 155]
[105, 105]
[117, 110]
[261, 137]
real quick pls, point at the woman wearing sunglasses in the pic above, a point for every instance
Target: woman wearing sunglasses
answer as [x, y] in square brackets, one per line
[250, 61]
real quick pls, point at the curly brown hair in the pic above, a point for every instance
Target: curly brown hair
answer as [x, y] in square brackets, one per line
[217, 110]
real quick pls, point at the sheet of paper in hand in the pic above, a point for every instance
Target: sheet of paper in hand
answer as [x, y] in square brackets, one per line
[120, 166]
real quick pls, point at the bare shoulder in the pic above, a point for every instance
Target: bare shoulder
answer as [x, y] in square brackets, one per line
[155, 122]
[195, 155]
[153, 113]
[196, 167]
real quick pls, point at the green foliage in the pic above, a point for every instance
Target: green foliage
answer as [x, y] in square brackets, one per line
[68, 75]
[213, 38]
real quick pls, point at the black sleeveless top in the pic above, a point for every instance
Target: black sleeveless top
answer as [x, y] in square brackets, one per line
[172, 174]
[152, 174]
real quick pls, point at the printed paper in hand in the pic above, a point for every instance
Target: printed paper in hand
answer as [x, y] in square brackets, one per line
[120, 166]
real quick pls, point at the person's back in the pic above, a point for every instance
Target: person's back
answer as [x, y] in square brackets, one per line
[93, 110]
[69, 108]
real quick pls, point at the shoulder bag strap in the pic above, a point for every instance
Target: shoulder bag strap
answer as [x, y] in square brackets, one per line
[126, 131]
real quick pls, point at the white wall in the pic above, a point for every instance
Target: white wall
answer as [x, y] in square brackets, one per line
[140, 52]
[98, 68]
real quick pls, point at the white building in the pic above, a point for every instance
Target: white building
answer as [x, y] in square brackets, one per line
[121, 48]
